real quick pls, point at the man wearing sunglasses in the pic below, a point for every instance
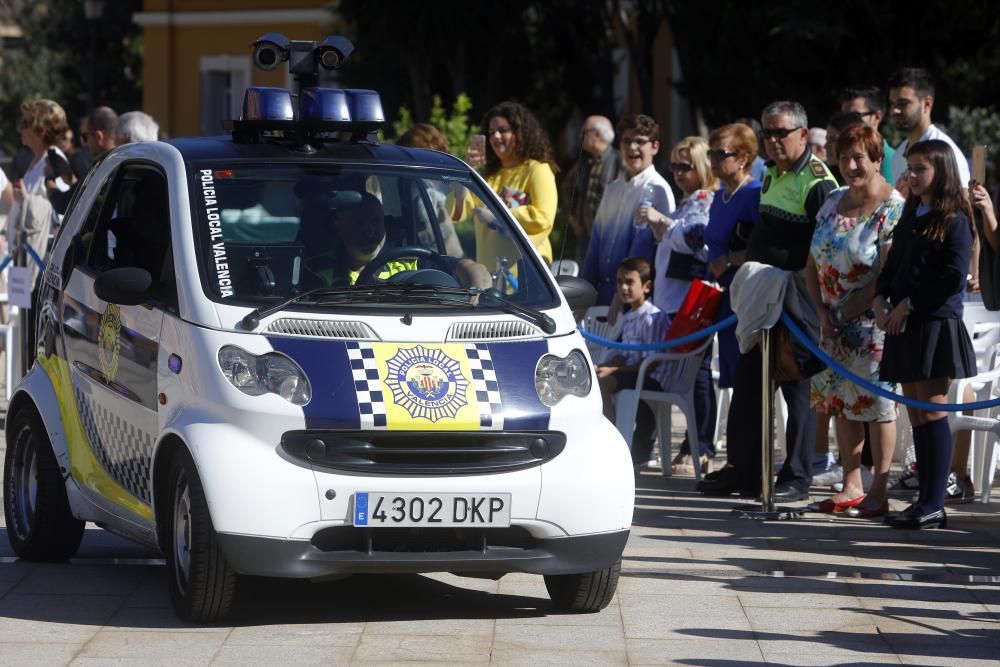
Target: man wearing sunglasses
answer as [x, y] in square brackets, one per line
[795, 184]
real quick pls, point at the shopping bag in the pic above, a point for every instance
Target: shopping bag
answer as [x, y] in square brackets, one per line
[698, 311]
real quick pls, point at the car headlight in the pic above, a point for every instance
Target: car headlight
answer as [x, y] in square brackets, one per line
[556, 377]
[270, 373]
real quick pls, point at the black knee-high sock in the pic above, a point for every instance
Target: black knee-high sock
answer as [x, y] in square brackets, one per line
[923, 462]
[939, 445]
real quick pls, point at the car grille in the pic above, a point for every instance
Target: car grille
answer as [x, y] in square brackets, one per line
[344, 330]
[421, 540]
[492, 330]
[423, 453]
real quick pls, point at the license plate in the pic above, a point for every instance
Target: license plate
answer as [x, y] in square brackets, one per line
[431, 510]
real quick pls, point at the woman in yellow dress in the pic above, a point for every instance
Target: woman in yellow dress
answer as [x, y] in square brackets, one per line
[519, 166]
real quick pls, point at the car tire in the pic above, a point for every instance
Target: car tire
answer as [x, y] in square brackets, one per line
[202, 583]
[40, 525]
[586, 592]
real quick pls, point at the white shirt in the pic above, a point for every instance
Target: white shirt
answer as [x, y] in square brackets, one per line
[899, 157]
[614, 235]
[34, 184]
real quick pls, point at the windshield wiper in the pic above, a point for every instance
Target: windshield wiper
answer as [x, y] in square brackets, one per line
[381, 293]
[493, 298]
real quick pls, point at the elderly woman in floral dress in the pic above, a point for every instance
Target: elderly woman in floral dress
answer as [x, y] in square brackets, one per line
[850, 243]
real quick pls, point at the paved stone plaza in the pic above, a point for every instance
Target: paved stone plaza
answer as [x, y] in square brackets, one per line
[698, 587]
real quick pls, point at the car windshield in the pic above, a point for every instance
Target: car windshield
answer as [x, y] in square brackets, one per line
[270, 231]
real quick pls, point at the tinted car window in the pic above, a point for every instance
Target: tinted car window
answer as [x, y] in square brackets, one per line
[270, 231]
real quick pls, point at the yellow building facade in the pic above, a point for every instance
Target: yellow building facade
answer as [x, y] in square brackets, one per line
[197, 59]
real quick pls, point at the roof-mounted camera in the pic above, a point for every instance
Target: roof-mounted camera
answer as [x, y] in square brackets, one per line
[310, 112]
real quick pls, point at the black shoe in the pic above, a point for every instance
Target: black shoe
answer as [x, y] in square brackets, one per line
[723, 486]
[789, 493]
[913, 521]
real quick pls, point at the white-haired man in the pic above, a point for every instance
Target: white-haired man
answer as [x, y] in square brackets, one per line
[599, 164]
[136, 126]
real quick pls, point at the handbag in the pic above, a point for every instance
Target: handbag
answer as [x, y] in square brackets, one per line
[792, 361]
[698, 311]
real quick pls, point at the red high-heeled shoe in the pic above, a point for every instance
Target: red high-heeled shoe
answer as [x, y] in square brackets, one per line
[829, 505]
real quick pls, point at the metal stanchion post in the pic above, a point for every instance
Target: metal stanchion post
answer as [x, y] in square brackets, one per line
[767, 509]
[767, 423]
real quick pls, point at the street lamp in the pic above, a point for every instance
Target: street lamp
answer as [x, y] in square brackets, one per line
[92, 10]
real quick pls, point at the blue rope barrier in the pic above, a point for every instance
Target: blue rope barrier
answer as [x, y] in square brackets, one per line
[665, 345]
[34, 255]
[875, 389]
[31, 252]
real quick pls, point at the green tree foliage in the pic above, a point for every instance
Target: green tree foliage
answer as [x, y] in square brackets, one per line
[53, 60]
[454, 126]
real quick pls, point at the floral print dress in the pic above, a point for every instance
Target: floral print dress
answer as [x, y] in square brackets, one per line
[845, 251]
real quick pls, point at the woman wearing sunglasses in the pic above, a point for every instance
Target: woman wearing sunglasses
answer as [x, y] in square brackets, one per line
[680, 257]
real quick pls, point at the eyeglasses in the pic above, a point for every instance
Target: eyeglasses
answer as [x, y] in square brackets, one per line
[778, 132]
[719, 154]
[638, 141]
[680, 167]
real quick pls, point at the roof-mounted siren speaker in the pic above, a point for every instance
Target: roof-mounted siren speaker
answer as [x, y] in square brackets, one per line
[324, 104]
[365, 107]
[263, 103]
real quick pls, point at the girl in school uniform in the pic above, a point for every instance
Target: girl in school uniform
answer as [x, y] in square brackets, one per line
[919, 306]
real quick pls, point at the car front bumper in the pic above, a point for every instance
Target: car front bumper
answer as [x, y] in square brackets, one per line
[356, 551]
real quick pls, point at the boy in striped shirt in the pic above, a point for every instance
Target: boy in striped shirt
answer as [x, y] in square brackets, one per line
[642, 323]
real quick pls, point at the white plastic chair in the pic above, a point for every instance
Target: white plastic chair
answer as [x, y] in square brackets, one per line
[679, 391]
[985, 424]
[565, 267]
[595, 321]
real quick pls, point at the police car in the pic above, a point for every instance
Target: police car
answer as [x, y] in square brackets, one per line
[256, 354]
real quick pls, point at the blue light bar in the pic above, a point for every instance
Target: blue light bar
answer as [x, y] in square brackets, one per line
[263, 103]
[365, 105]
[324, 104]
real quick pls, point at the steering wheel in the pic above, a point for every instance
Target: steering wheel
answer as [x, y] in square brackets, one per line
[368, 274]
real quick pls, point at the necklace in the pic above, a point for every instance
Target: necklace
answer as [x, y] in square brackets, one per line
[727, 197]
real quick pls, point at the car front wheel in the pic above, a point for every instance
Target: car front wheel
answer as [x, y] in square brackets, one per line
[202, 583]
[40, 525]
[585, 592]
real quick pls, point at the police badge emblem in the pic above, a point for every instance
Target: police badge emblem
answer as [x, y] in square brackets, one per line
[426, 383]
[109, 341]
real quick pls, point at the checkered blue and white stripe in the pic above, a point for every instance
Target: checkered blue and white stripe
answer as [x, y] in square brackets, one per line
[124, 451]
[371, 400]
[484, 381]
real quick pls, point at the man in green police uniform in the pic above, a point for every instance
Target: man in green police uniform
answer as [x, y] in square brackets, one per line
[795, 185]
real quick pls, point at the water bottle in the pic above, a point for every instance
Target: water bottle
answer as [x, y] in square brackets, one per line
[648, 195]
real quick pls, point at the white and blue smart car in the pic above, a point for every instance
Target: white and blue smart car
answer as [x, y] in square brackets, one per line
[273, 353]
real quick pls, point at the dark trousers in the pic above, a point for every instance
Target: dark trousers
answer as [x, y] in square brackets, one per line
[705, 407]
[743, 430]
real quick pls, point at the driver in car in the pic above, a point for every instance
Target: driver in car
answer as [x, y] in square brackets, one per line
[341, 242]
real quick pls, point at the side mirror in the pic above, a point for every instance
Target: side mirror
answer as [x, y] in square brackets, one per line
[126, 286]
[579, 293]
